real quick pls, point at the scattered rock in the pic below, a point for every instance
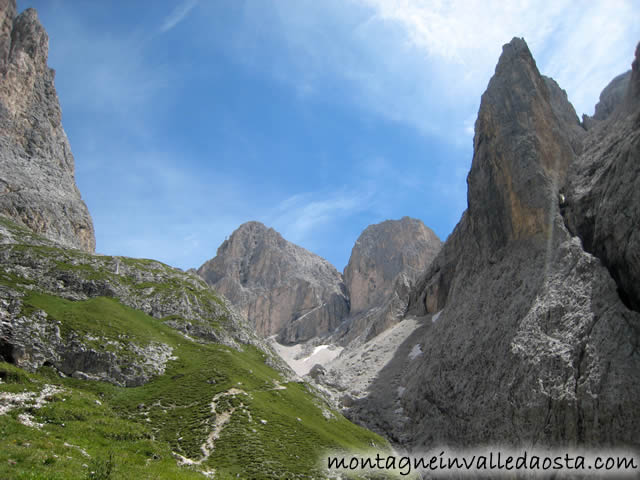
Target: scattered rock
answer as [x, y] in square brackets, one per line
[316, 371]
[29, 401]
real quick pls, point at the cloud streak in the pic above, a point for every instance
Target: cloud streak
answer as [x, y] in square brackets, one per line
[178, 15]
[300, 216]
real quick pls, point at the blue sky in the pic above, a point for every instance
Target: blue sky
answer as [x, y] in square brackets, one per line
[318, 118]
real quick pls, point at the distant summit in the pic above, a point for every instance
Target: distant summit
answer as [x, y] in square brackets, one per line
[287, 291]
[385, 261]
[282, 288]
[382, 252]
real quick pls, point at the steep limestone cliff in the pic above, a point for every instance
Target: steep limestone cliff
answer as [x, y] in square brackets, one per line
[37, 183]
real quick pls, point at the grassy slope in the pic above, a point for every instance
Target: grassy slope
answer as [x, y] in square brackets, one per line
[141, 426]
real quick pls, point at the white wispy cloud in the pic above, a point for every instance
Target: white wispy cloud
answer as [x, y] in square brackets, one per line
[178, 15]
[300, 216]
[582, 45]
[104, 72]
[425, 63]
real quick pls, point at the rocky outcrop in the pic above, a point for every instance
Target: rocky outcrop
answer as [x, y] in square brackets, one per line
[37, 183]
[385, 261]
[565, 114]
[282, 288]
[30, 338]
[526, 340]
[521, 156]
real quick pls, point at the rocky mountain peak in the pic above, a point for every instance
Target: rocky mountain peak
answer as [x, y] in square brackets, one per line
[612, 95]
[516, 50]
[281, 287]
[7, 14]
[37, 183]
[30, 37]
[382, 252]
[520, 153]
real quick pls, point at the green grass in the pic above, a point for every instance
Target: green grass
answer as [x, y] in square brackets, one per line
[74, 420]
[151, 280]
[100, 317]
[139, 427]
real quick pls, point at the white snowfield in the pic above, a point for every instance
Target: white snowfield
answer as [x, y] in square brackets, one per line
[295, 355]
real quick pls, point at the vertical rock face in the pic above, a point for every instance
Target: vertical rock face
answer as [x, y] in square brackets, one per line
[524, 142]
[520, 154]
[37, 183]
[282, 288]
[529, 342]
[386, 259]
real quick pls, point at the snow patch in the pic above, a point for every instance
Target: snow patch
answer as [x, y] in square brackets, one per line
[316, 350]
[416, 351]
[321, 354]
[436, 316]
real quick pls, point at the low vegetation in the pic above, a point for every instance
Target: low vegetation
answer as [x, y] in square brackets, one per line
[217, 411]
